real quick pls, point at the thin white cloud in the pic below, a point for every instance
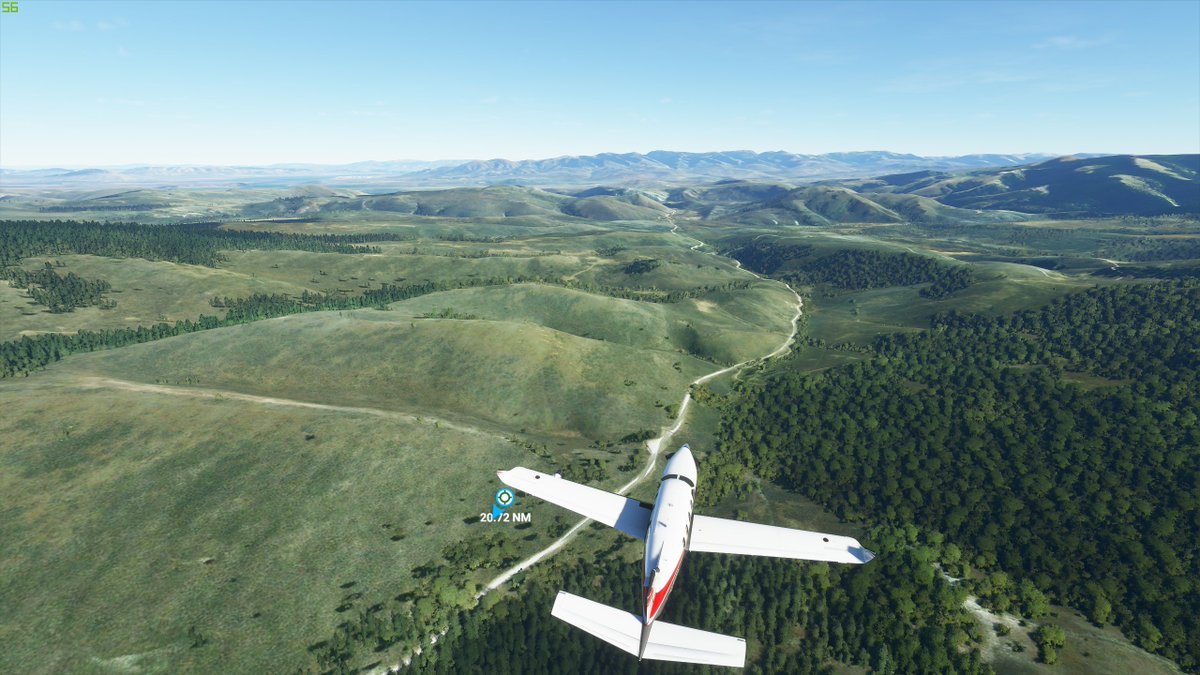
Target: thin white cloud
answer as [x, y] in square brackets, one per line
[1069, 43]
[73, 26]
[105, 24]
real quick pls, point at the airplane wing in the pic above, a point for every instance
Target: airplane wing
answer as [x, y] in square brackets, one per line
[720, 535]
[627, 515]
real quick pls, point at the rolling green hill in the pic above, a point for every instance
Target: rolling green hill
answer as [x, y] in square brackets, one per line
[489, 202]
[739, 326]
[1067, 186]
[608, 204]
[145, 292]
[823, 205]
[503, 374]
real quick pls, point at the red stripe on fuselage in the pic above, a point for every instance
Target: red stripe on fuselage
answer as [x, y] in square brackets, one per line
[661, 596]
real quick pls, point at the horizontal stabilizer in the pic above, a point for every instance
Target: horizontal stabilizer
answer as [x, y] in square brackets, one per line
[720, 535]
[666, 642]
[627, 515]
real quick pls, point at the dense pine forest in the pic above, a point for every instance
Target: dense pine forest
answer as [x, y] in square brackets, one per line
[852, 269]
[192, 244]
[1060, 446]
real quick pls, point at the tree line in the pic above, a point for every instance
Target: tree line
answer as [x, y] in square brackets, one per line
[1149, 249]
[853, 269]
[175, 243]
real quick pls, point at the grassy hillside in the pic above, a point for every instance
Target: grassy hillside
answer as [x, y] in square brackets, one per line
[490, 202]
[503, 375]
[145, 292]
[131, 518]
[607, 207]
[743, 325]
[859, 317]
[823, 205]
[457, 203]
[398, 264]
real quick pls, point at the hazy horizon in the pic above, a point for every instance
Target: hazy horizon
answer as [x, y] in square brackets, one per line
[89, 84]
[267, 165]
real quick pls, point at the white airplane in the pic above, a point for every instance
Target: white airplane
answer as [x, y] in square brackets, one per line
[670, 529]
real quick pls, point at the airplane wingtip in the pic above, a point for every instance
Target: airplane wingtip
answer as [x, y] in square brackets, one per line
[862, 554]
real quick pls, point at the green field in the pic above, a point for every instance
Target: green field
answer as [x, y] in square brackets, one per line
[726, 328]
[498, 374]
[859, 317]
[132, 517]
[145, 292]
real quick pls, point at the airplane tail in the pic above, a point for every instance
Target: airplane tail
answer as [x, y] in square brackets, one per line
[665, 642]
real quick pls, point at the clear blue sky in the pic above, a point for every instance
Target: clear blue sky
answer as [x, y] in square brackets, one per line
[110, 83]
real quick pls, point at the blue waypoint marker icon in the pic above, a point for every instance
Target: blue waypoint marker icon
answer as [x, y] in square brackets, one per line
[504, 499]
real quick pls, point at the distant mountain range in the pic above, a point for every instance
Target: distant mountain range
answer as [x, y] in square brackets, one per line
[656, 168]
[1117, 184]
[663, 167]
[1063, 187]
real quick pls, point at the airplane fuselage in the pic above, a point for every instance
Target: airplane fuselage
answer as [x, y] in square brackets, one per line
[670, 528]
[669, 532]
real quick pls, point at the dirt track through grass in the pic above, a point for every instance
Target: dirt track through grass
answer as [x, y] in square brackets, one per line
[94, 382]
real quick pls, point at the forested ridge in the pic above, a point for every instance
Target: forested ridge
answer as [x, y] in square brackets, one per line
[1147, 249]
[196, 245]
[853, 269]
[1060, 446]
